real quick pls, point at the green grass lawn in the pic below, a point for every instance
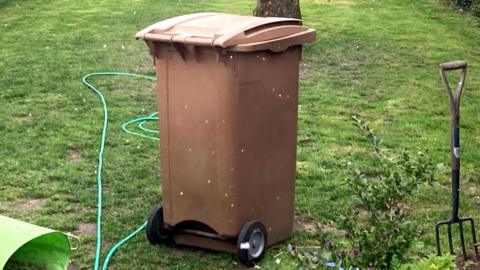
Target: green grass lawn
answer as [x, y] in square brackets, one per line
[375, 59]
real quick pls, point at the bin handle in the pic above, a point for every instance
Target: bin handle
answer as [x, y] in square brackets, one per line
[196, 39]
[278, 44]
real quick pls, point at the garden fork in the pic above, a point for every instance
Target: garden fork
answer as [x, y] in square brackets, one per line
[455, 154]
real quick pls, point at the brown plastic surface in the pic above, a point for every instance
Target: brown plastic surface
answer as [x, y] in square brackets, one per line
[202, 242]
[228, 122]
[230, 31]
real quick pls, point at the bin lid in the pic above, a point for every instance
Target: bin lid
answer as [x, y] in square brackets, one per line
[229, 31]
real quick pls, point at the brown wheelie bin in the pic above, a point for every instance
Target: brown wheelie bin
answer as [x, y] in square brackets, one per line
[227, 101]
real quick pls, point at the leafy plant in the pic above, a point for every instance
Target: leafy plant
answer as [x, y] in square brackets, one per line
[465, 4]
[377, 223]
[472, 6]
[378, 229]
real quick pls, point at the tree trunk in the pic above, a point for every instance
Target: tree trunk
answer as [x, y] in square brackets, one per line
[278, 8]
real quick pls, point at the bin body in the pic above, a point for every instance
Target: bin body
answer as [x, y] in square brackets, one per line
[228, 121]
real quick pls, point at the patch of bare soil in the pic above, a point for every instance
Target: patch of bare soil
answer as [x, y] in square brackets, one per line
[76, 157]
[25, 118]
[29, 205]
[470, 264]
[86, 229]
[302, 225]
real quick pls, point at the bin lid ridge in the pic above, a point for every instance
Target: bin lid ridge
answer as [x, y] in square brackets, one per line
[167, 24]
[228, 31]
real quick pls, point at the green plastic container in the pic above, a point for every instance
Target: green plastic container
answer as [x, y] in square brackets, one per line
[27, 246]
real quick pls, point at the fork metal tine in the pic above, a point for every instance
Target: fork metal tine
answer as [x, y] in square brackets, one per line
[462, 239]
[450, 241]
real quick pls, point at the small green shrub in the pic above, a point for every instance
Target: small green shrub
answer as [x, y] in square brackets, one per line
[465, 4]
[376, 231]
[377, 223]
[472, 6]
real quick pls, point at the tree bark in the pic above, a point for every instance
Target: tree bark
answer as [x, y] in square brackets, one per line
[278, 8]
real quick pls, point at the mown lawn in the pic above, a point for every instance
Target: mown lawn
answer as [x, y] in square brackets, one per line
[375, 59]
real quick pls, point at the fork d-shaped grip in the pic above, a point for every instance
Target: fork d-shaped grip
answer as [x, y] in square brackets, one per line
[454, 106]
[453, 65]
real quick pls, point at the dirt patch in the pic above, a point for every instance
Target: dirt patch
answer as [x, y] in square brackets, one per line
[336, 2]
[177, 253]
[313, 226]
[305, 142]
[29, 205]
[308, 226]
[76, 157]
[24, 118]
[306, 71]
[344, 150]
[471, 264]
[86, 229]
[302, 165]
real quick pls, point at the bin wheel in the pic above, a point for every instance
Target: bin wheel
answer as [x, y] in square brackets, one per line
[251, 243]
[157, 232]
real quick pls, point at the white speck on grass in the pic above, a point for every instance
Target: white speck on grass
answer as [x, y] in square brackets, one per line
[104, 45]
[123, 47]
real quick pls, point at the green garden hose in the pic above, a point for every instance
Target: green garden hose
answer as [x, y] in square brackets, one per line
[141, 121]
